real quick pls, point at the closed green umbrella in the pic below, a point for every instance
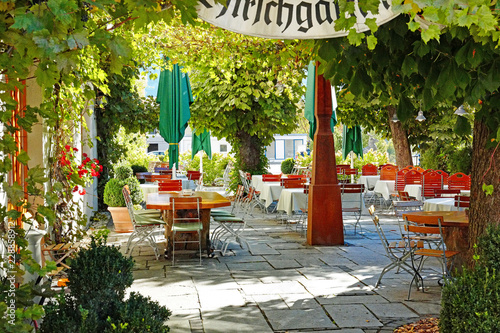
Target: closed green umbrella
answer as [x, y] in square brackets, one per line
[201, 142]
[352, 141]
[309, 105]
[174, 96]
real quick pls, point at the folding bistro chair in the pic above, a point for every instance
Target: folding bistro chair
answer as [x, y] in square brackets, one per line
[186, 219]
[352, 201]
[397, 251]
[462, 201]
[146, 223]
[416, 225]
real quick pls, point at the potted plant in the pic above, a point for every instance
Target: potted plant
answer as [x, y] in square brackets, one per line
[113, 197]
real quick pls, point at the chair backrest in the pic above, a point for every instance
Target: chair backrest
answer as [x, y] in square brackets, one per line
[380, 231]
[185, 209]
[419, 169]
[349, 171]
[271, 178]
[306, 188]
[431, 181]
[459, 181]
[416, 224]
[170, 185]
[296, 177]
[462, 201]
[444, 175]
[369, 170]
[401, 207]
[413, 177]
[388, 172]
[244, 179]
[386, 164]
[142, 175]
[352, 196]
[292, 183]
[400, 179]
[129, 203]
[403, 196]
[193, 175]
[440, 193]
[158, 178]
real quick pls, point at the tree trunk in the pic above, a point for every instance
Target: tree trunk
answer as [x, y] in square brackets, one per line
[485, 169]
[250, 149]
[399, 140]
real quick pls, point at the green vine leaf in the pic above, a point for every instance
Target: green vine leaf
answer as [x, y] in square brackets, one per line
[487, 189]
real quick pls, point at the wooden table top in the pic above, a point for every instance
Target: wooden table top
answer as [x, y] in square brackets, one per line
[451, 218]
[208, 200]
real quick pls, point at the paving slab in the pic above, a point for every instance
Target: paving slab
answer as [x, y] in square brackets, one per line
[236, 319]
[250, 266]
[211, 299]
[391, 310]
[312, 319]
[354, 299]
[284, 263]
[355, 316]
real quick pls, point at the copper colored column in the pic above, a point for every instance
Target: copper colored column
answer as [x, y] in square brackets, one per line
[325, 225]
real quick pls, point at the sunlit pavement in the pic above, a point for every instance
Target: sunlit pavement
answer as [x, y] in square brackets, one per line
[284, 285]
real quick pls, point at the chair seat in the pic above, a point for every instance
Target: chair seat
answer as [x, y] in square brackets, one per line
[435, 253]
[187, 226]
[218, 211]
[221, 214]
[228, 219]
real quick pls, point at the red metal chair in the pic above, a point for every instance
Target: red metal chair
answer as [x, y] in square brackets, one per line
[431, 181]
[384, 165]
[459, 181]
[369, 170]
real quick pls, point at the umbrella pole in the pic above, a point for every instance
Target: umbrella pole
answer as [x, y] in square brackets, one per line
[201, 171]
[352, 165]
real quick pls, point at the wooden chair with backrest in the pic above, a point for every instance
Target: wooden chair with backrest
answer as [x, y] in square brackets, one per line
[384, 165]
[444, 175]
[186, 219]
[293, 182]
[400, 180]
[431, 181]
[404, 196]
[352, 201]
[397, 251]
[158, 178]
[417, 225]
[388, 172]
[413, 177]
[462, 201]
[170, 185]
[196, 177]
[419, 169]
[459, 181]
[159, 169]
[271, 178]
[146, 223]
[446, 193]
[369, 170]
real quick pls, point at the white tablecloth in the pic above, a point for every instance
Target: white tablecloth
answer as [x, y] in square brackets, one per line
[269, 192]
[414, 190]
[292, 199]
[257, 182]
[385, 188]
[440, 205]
[368, 181]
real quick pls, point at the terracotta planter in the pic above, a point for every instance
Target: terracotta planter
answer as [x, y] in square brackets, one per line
[121, 219]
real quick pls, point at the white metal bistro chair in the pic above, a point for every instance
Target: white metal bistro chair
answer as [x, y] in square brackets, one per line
[146, 223]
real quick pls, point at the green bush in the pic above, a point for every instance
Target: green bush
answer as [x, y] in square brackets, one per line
[460, 160]
[138, 168]
[97, 280]
[212, 168]
[287, 166]
[471, 301]
[113, 195]
[123, 172]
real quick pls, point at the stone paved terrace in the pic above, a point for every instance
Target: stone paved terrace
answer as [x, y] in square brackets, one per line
[284, 285]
